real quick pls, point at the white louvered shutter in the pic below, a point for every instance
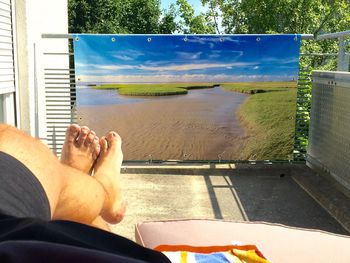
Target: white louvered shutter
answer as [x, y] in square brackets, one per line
[7, 68]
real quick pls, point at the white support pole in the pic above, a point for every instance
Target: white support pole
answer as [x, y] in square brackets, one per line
[36, 118]
[39, 91]
[9, 109]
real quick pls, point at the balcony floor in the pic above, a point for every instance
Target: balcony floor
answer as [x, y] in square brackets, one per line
[270, 193]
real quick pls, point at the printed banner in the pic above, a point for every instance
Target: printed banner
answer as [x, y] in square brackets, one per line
[194, 97]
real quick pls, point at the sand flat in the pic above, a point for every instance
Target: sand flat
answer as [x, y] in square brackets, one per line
[202, 126]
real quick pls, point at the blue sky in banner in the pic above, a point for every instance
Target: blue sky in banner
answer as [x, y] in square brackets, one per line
[155, 59]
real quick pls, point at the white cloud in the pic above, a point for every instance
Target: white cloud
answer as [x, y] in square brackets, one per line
[98, 71]
[188, 55]
[123, 57]
[211, 40]
[217, 53]
[127, 54]
[115, 67]
[82, 65]
[153, 78]
[185, 67]
[220, 78]
[274, 60]
[174, 67]
[95, 67]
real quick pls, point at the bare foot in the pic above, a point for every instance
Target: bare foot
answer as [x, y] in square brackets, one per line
[81, 148]
[107, 172]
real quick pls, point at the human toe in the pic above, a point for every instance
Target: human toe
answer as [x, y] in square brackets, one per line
[113, 139]
[72, 132]
[90, 138]
[103, 144]
[84, 132]
[95, 147]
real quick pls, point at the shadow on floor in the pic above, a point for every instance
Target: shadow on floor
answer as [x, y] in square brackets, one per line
[272, 199]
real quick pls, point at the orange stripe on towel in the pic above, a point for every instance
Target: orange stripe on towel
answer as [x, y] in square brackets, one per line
[207, 250]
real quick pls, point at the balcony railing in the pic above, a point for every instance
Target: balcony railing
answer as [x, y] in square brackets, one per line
[329, 143]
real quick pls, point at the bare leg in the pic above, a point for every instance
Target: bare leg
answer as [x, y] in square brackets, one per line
[72, 195]
[80, 150]
[107, 172]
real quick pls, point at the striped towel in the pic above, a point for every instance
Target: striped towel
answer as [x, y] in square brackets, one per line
[217, 254]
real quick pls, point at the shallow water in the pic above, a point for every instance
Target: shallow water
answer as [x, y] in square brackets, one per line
[88, 96]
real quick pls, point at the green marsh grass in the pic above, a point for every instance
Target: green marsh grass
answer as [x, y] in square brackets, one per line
[153, 91]
[269, 119]
[163, 89]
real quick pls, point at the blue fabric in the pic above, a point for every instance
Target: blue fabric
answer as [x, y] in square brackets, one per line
[211, 258]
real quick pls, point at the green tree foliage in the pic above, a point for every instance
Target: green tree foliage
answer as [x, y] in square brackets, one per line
[191, 23]
[140, 16]
[214, 13]
[168, 22]
[119, 16]
[283, 16]
[94, 16]
[229, 16]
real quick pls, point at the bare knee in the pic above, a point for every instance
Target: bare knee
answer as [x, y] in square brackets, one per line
[7, 135]
[9, 132]
[5, 128]
[12, 140]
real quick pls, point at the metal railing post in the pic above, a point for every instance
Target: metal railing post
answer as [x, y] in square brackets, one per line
[342, 65]
[347, 61]
[343, 56]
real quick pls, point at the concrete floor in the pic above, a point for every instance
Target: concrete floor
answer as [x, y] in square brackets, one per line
[258, 194]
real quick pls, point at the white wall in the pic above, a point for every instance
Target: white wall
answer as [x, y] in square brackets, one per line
[41, 17]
